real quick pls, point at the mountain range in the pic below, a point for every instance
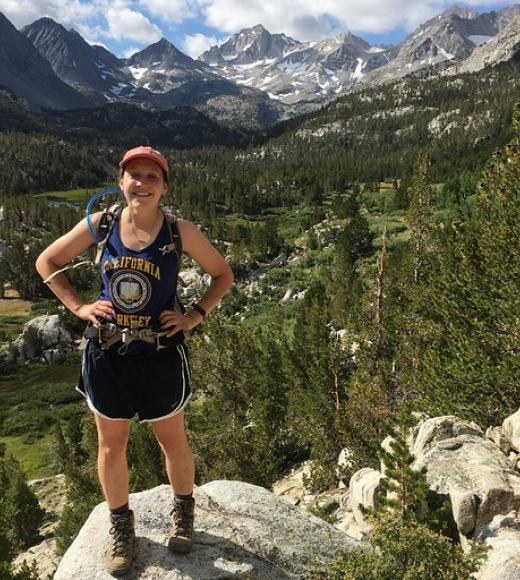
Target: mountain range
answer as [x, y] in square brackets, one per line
[253, 79]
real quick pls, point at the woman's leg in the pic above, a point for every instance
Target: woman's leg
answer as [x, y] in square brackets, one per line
[181, 472]
[112, 465]
[179, 459]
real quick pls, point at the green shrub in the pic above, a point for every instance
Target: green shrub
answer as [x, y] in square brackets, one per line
[405, 550]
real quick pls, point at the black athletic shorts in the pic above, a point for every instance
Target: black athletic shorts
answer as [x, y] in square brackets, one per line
[118, 386]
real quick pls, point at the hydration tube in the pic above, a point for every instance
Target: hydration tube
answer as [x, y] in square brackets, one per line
[90, 204]
[93, 234]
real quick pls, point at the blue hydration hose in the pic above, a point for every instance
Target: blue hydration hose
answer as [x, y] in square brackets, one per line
[90, 204]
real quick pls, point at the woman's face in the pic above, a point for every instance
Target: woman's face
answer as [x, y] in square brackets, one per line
[143, 183]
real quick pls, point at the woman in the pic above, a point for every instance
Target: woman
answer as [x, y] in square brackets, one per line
[141, 364]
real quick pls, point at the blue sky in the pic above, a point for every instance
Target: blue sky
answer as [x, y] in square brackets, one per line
[125, 26]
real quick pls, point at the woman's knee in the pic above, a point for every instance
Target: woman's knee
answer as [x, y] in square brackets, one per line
[112, 438]
[112, 448]
[174, 444]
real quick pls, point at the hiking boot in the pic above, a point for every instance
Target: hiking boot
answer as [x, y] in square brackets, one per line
[181, 534]
[121, 543]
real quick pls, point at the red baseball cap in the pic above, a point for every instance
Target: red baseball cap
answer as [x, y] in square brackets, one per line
[144, 152]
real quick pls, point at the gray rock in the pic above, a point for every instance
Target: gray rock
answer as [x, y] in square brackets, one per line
[497, 435]
[501, 48]
[511, 430]
[458, 457]
[431, 432]
[43, 334]
[43, 555]
[503, 561]
[291, 487]
[364, 489]
[52, 355]
[242, 531]
[7, 354]
[464, 508]
[287, 295]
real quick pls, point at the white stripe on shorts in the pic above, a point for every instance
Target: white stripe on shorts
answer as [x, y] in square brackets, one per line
[183, 402]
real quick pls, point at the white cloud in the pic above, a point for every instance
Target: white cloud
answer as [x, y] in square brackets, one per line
[138, 21]
[195, 44]
[130, 51]
[68, 13]
[311, 20]
[87, 17]
[127, 24]
[172, 11]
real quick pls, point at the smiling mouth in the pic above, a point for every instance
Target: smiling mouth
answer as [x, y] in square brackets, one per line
[141, 194]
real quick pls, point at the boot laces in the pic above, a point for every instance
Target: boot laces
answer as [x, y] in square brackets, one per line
[183, 517]
[121, 531]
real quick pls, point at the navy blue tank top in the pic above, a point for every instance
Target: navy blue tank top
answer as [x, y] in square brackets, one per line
[139, 284]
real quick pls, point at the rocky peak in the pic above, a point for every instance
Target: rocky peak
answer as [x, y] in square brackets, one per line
[162, 54]
[345, 45]
[55, 43]
[447, 16]
[45, 25]
[248, 46]
[76, 62]
[29, 75]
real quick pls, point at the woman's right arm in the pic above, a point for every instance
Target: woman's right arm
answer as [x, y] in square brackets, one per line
[60, 253]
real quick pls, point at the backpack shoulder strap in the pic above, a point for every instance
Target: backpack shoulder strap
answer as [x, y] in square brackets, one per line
[106, 224]
[175, 238]
[175, 245]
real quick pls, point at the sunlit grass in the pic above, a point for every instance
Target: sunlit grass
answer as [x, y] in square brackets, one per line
[35, 457]
[14, 307]
[81, 195]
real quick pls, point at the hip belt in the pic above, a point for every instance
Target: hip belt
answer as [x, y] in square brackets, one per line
[107, 334]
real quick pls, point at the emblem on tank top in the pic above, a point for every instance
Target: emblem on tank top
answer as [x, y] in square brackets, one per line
[130, 291]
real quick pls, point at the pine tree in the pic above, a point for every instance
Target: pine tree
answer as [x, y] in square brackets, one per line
[18, 505]
[77, 451]
[419, 215]
[411, 292]
[404, 490]
[470, 363]
[20, 517]
[220, 426]
[270, 435]
[313, 387]
[145, 459]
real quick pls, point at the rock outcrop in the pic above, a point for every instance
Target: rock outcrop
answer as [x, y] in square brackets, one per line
[364, 489]
[241, 531]
[511, 430]
[42, 337]
[479, 474]
[462, 463]
[503, 561]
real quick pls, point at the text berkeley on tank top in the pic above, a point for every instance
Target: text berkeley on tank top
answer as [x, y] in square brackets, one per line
[140, 284]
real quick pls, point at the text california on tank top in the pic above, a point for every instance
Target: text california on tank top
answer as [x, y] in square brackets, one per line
[139, 284]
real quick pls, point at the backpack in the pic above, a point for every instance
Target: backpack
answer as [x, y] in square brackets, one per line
[106, 224]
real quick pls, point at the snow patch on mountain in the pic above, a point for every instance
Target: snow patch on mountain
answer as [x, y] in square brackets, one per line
[478, 39]
[138, 72]
[357, 73]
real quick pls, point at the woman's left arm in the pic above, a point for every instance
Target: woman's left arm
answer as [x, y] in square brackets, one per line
[196, 245]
